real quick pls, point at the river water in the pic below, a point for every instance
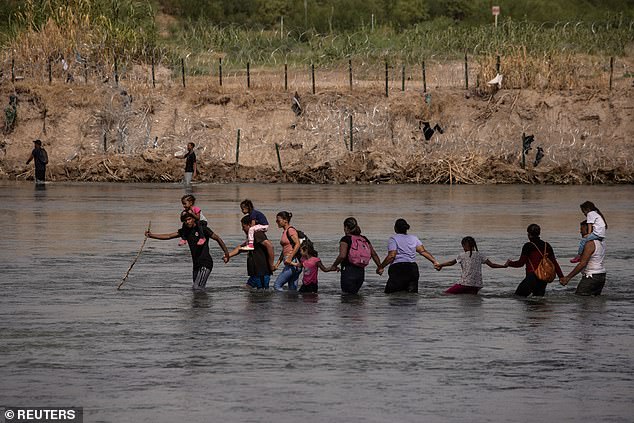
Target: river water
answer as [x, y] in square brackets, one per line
[154, 352]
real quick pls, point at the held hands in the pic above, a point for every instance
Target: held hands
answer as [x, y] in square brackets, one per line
[225, 258]
[334, 269]
[506, 264]
[379, 270]
[437, 266]
[564, 281]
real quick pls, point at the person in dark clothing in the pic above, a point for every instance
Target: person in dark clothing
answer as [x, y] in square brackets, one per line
[202, 261]
[532, 253]
[352, 276]
[191, 166]
[260, 260]
[40, 158]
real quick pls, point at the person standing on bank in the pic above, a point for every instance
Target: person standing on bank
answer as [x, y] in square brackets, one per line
[202, 261]
[191, 166]
[532, 253]
[40, 158]
[259, 260]
[590, 265]
[355, 252]
[401, 257]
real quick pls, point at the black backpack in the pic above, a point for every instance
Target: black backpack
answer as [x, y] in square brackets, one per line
[43, 156]
[302, 238]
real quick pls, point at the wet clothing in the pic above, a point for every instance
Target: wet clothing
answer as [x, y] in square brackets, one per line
[402, 277]
[593, 279]
[40, 158]
[258, 259]
[531, 285]
[352, 276]
[471, 264]
[259, 282]
[463, 289]
[591, 285]
[288, 276]
[530, 258]
[311, 268]
[200, 253]
[200, 277]
[312, 288]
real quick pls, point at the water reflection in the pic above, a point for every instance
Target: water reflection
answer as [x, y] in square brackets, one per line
[402, 357]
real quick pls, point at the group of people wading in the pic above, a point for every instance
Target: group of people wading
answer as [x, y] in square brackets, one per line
[299, 257]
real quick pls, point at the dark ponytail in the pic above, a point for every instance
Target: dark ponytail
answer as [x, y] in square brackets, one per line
[588, 206]
[352, 226]
[285, 215]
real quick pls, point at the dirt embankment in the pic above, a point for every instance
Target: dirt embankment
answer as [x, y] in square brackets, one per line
[132, 133]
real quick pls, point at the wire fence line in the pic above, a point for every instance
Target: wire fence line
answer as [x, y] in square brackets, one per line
[518, 70]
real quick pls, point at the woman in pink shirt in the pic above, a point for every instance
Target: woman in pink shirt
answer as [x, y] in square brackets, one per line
[289, 256]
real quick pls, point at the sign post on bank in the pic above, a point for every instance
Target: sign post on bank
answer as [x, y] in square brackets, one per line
[496, 11]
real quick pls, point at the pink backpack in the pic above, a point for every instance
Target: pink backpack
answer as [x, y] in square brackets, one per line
[359, 253]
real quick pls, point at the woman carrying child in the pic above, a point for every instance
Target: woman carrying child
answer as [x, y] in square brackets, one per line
[471, 261]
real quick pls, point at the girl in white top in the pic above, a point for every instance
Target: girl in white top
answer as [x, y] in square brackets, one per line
[471, 261]
[596, 226]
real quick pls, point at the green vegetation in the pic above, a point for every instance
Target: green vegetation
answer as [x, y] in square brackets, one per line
[325, 32]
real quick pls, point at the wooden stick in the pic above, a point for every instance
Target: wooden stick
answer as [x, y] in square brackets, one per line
[149, 225]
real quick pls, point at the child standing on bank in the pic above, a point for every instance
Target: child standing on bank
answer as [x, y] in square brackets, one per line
[311, 264]
[596, 227]
[188, 202]
[258, 222]
[471, 261]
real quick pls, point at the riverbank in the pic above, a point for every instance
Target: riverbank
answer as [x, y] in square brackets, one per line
[132, 133]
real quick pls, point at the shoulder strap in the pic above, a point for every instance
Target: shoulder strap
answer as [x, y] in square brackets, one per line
[537, 248]
[290, 238]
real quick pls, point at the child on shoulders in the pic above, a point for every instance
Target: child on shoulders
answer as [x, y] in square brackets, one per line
[188, 201]
[258, 222]
[596, 227]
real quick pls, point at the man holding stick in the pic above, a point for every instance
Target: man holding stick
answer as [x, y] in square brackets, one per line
[202, 261]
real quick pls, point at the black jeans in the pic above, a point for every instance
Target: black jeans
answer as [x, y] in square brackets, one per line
[402, 277]
[352, 278]
[531, 285]
[40, 173]
[591, 285]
